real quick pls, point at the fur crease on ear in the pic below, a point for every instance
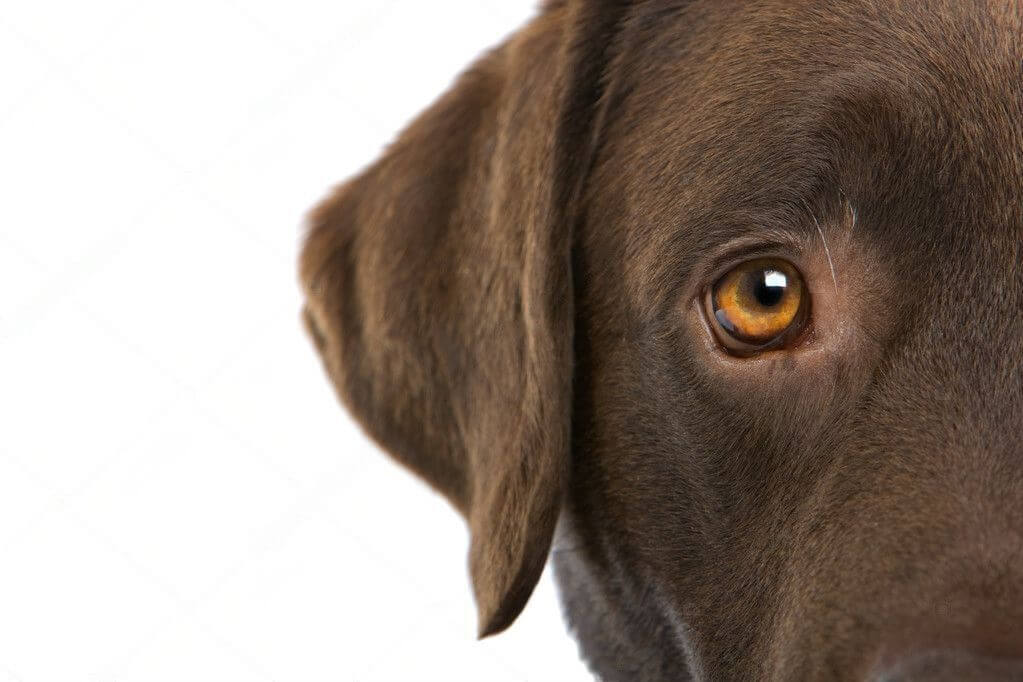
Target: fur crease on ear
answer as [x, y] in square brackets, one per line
[439, 294]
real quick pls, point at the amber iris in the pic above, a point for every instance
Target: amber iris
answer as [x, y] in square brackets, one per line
[758, 304]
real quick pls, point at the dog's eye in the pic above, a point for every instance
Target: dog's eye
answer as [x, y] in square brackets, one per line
[758, 305]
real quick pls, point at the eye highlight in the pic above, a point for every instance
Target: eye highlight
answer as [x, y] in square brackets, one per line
[758, 306]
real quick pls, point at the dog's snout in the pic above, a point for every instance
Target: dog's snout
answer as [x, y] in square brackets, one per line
[948, 665]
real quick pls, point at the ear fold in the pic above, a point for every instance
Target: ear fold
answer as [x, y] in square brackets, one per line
[439, 292]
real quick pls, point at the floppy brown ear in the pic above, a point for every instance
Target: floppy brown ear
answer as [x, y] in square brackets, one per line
[439, 291]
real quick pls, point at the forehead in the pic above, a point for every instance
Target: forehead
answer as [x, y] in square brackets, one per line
[736, 115]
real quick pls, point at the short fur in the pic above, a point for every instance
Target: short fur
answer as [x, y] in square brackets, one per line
[509, 302]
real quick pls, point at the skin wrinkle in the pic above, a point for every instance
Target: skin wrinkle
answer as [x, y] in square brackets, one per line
[510, 301]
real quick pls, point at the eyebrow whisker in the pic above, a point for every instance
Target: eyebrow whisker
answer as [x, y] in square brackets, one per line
[849, 205]
[827, 251]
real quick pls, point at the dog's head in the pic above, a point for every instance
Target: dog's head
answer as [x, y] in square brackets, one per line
[727, 300]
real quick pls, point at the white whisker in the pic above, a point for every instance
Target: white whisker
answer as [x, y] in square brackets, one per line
[827, 250]
[852, 209]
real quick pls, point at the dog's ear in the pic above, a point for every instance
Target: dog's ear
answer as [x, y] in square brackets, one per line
[439, 291]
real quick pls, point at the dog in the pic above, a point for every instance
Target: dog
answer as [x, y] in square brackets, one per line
[719, 306]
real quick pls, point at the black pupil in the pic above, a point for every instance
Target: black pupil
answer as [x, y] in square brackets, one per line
[769, 287]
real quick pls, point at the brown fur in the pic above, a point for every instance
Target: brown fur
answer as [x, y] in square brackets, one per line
[507, 301]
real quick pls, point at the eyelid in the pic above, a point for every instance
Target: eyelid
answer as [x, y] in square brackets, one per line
[773, 244]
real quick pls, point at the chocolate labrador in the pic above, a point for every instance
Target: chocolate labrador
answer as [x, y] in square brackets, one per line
[720, 305]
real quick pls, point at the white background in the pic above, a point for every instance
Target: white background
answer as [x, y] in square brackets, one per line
[181, 497]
